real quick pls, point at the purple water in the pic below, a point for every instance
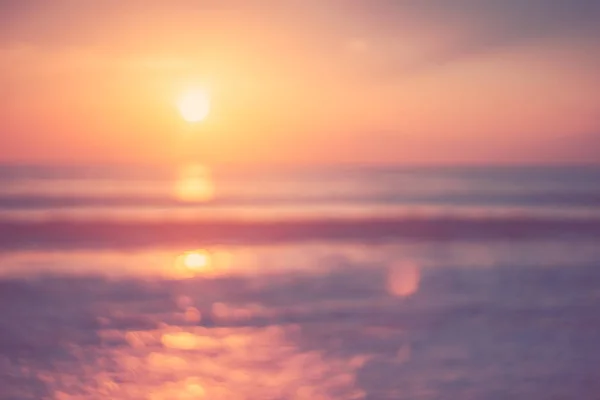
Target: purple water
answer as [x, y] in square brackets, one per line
[397, 283]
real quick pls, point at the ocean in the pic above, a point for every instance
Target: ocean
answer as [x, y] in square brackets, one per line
[316, 283]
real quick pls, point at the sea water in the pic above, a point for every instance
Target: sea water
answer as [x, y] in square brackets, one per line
[303, 283]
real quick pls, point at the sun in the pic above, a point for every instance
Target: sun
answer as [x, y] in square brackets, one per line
[194, 105]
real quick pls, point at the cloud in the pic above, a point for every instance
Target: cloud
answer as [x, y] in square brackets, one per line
[73, 23]
[416, 36]
[112, 23]
[400, 36]
[482, 21]
[478, 22]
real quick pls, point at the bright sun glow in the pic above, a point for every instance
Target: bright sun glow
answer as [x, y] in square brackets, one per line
[194, 105]
[196, 260]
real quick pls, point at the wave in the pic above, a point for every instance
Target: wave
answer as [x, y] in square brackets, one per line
[119, 233]
[48, 201]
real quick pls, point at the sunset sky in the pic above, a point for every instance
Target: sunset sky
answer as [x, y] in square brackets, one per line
[340, 81]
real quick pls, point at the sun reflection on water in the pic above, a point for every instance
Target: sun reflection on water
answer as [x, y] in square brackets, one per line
[229, 363]
[200, 263]
[197, 260]
[277, 361]
[403, 279]
[195, 184]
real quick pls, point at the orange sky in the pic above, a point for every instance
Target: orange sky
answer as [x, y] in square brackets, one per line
[301, 81]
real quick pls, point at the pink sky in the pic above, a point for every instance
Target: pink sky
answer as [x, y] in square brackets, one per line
[336, 81]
